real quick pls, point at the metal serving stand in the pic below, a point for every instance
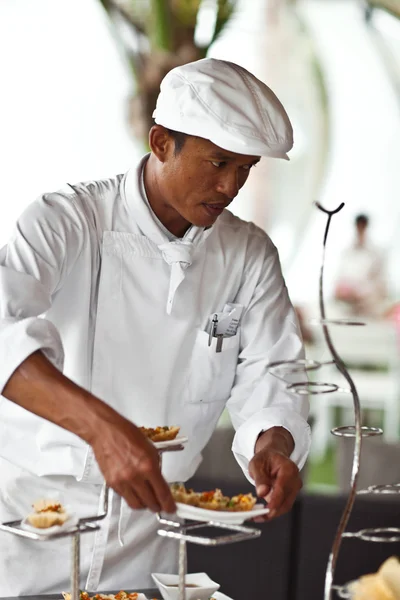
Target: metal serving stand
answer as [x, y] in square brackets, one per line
[382, 534]
[85, 525]
[282, 370]
[183, 532]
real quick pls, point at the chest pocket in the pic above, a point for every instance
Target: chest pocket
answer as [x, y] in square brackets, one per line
[211, 373]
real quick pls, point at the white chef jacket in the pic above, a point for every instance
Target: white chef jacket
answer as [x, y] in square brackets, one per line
[90, 279]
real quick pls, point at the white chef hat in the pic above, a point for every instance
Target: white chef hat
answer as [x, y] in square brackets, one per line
[224, 103]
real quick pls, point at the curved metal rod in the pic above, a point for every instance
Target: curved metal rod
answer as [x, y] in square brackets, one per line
[294, 366]
[343, 322]
[375, 534]
[330, 214]
[385, 488]
[349, 431]
[313, 387]
[332, 561]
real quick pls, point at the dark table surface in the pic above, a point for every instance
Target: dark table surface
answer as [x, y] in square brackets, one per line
[149, 593]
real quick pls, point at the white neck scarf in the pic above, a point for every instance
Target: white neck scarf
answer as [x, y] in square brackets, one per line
[179, 253]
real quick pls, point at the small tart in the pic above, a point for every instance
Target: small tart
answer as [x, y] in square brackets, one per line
[44, 520]
[47, 505]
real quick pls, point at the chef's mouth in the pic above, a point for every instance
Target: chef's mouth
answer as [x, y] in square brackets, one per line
[214, 209]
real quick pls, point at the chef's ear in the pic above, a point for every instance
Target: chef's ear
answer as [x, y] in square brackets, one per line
[161, 143]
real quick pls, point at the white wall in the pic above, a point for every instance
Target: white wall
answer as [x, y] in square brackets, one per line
[364, 160]
[63, 101]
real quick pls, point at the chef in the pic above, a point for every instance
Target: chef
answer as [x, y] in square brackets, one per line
[142, 301]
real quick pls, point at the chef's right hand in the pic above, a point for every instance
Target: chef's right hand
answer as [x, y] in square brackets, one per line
[130, 465]
[128, 461]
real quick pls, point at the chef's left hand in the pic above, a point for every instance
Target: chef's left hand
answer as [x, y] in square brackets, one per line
[276, 477]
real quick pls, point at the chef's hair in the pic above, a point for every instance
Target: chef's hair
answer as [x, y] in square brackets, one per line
[179, 139]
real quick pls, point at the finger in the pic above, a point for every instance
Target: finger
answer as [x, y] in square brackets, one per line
[130, 497]
[162, 492]
[160, 488]
[263, 490]
[286, 479]
[280, 491]
[262, 519]
[283, 498]
[145, 493]
[276, 499]
[290, 499]
[267, 495]
[261, 478]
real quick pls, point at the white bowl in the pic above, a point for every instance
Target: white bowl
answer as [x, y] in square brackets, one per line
[205, 586]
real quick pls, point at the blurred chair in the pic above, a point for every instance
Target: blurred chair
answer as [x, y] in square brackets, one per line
[379, 465]
[219, 464]
[371, 354]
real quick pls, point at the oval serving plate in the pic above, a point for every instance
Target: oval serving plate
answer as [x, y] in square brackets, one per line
[168, 443]
[186, 511]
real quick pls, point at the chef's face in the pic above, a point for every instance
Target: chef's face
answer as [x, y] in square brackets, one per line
[199, 179]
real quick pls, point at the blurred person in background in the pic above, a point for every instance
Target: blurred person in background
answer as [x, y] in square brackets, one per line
[361, 285]
[112, 295]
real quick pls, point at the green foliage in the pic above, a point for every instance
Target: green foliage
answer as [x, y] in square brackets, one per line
[163, 20]
[321, 475]
[165, 37]
[159, 26]
[185, 11]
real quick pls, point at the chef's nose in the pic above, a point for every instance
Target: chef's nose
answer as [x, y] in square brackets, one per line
[228, 184]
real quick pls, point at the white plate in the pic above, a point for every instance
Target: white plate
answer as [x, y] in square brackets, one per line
[69, 523]
[220, 596]
[169, 443]
[185, 511]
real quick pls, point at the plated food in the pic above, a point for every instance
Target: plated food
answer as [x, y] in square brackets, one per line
[47, 513]
[120, 596]
[212, 500]
[160, 434]
[214, 506]
[383, 585]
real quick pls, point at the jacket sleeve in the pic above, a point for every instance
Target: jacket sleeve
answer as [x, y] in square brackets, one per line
[269, 333]
[43, 248]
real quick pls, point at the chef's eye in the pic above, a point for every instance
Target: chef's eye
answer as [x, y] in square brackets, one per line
[248, 167]
[218, 163]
